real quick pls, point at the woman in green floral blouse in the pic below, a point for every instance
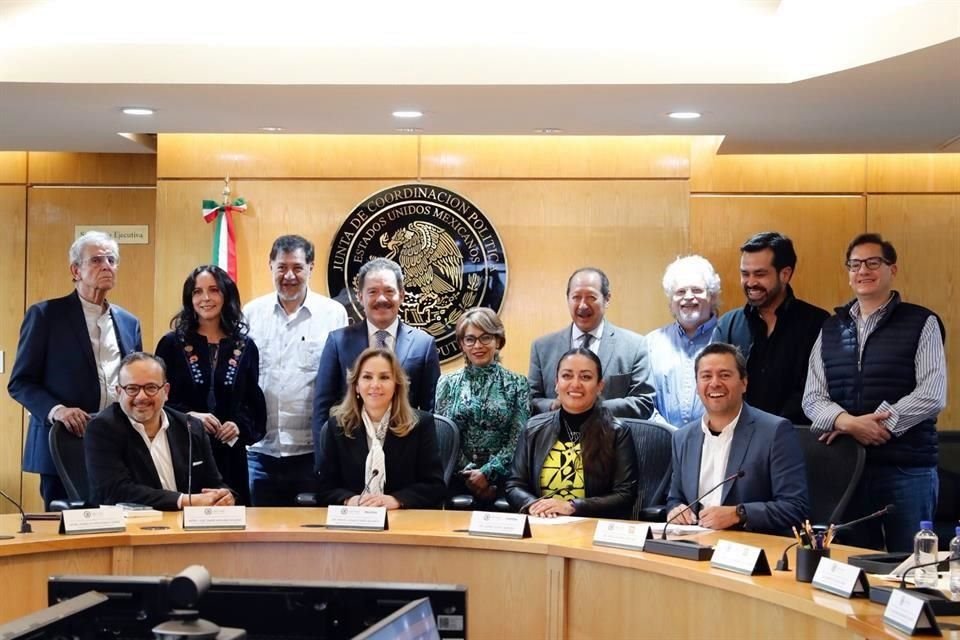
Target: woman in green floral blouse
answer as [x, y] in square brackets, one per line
[489, 403]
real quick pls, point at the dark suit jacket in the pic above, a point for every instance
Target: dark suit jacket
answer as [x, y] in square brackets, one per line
[414, 472]
[773, 489]
[121, 470]
[628, 391]
[55, 365]
[416, 349]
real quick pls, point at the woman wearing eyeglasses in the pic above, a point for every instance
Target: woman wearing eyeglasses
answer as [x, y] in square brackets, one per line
[489, 403]
[213, 369]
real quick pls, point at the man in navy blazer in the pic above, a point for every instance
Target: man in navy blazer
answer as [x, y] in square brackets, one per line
[733, 437]
[69, 355]
[380, 291]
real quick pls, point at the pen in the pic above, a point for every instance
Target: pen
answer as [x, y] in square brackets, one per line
[797, 536]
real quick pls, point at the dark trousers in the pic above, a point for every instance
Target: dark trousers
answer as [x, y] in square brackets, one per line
[51, 488]
[275, 482]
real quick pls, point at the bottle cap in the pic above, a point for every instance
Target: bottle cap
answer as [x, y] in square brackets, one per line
[926, 524]
[958, 531]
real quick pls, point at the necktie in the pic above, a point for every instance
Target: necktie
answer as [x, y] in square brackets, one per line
[381, 337]
[585, 340]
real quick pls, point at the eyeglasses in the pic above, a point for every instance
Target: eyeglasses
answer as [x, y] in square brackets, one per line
[872, 263]
[133, 390]
[680, 294]
[485, 339]
[99, 261]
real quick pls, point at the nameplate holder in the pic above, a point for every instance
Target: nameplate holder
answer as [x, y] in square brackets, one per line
[102, 520]
[740, 558]
[357, 518]
[910, 614]
[195, 518]
[499, 525]
[622, 535]
[840, 579]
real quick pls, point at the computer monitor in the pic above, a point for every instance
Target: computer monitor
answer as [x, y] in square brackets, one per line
[72, 618]
[414, 621]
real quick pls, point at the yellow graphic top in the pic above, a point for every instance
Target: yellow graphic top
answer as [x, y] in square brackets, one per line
[562, 473]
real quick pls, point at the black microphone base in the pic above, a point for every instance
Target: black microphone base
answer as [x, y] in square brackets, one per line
[686, 549]
[941, 604]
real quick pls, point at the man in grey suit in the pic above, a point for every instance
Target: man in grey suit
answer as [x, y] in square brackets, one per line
[627, 389]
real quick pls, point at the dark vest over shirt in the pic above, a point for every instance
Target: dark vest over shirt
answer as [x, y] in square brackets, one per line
[887, 372]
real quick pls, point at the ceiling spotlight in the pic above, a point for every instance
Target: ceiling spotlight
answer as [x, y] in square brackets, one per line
[271, 129]
[407, 114]
[684, 115]
[408, 129]
[137, 111]
[548, 130]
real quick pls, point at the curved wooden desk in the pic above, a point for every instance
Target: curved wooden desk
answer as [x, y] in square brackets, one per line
[554, 585]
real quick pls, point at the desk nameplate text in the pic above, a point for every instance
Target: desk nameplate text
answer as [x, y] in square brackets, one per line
[108, 520]
[234, 517]
[499, 525]
[357, 518]
[621, 535]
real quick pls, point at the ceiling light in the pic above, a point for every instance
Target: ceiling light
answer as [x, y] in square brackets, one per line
[271, 129]
[548, 130]
[408, 129]
[407, 114]
[684, 115]
[137, 111]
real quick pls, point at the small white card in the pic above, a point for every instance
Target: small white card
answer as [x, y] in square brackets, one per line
[102, 520]
[839, 578]
[500, 525]
[741, 558]
[361, 518]
[908, 613]
[623, 535]
[234, 517]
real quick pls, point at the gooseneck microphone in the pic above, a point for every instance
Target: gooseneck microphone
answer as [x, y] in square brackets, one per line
[738, 474]
[24, 525]
[366, 488]
[890, 508]
[189, 463]
[903, 578]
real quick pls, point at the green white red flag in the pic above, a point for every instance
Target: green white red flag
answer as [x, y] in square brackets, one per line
[224, 235]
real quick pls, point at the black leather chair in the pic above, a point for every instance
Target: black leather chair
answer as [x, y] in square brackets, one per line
[67, 452]
[947, 518]
[653, 442]
[832, 474]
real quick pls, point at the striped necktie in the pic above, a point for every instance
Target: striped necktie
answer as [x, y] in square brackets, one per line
[585, 340]
[381, 338]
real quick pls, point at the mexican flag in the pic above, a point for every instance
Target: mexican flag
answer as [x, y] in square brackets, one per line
[224, 234]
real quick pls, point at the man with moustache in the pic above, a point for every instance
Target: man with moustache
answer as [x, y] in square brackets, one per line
[732, 436]
[69, 355]
[879, 375]
[380, 291]
[692, 287]
[774, 329]
[290, 327]
[627, 389]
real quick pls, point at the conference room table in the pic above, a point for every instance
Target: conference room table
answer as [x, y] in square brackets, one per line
[555, 584]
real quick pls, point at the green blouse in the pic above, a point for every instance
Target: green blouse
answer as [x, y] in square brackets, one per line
[490, 405]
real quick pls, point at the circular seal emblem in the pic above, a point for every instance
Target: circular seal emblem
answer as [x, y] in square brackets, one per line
[451, 256]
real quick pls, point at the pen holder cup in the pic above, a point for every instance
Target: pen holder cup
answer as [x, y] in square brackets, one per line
[807, 562]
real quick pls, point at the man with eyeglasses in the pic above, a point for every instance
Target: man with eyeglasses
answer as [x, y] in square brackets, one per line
[141, 452]
[69, 355]
[878, 375]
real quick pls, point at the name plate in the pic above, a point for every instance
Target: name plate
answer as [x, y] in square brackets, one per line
[622, 535]
[741, 558]
[102, 520]
[359, 518]
[215, 517]
[910, 614]
[499, 525]
[840, 579]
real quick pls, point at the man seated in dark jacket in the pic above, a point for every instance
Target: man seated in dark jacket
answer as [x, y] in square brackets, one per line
[139, 451]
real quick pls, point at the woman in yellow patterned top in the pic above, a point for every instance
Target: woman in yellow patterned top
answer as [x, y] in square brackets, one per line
[577, 460]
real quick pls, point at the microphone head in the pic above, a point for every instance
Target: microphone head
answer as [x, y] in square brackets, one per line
[741, 473]
[890, 508]
[375, 473]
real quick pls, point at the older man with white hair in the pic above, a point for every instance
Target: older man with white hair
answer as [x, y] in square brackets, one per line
[692, 287]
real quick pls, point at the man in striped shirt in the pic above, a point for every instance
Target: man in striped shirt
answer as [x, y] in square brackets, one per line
[878, 374]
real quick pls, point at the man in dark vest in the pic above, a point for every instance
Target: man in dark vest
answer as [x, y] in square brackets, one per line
[878, 374]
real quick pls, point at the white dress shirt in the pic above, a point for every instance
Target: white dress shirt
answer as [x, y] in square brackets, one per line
[713, 460]
[290, 348]
[159, 449]
[391, 334]
[576, 339]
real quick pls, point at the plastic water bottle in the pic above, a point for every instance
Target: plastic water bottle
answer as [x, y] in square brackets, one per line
[924, 551]
[955, 566]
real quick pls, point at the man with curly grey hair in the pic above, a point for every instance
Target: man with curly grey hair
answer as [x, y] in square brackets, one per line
[692, 287]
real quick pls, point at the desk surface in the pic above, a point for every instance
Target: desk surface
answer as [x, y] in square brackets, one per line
[556, 584]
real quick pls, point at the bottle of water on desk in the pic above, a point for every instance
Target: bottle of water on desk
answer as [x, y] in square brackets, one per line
[924, 551]
[955, 566]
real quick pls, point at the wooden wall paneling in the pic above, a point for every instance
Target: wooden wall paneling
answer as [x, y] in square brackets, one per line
[925, 230]
[13, 214]
[712, 173]
[913, 173]
[820, 228]
[47, 167]
[286, 156]
[555, 157]
[13, 167]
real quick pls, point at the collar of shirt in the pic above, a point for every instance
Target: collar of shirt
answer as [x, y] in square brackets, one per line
[597, 333]
[784, 308]
[392, 330]
[726, 433]
[879, 313]
[142, 430]
[704, 329]
[93, 307]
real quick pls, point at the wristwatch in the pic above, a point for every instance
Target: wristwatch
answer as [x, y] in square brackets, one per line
[742, 514]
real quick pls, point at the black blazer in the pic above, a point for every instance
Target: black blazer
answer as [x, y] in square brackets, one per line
[120, 467]
[414, 472]
[610, 497]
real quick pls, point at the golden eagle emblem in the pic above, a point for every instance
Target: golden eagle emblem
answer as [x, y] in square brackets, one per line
[428, 256]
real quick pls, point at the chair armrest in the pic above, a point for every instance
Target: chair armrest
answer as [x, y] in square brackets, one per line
[656, 513]
[459, 503]
[307, 500]
[501, 504]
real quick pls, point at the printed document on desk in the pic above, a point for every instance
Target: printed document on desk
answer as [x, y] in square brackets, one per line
[677, 529]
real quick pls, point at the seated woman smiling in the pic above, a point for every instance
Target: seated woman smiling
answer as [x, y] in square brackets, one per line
[375, 450]
[577, 460]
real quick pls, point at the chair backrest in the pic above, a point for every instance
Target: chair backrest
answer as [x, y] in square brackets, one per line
[653, 442]
[448, 440]
[948, 503]
[833, 472]
[67, 452]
